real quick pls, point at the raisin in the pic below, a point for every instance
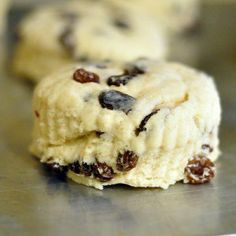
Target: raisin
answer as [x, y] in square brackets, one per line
[75, 167]
[199, 170]
[66, 38]
[99, 133]
[115, 100]
[121, 24]
[143, 123]
[86, 169]
[134, 70]
[37, 114]
[103, 172]
[126, 161]
[57, 169]
[118, 80]
[83, 76]
[207, 148]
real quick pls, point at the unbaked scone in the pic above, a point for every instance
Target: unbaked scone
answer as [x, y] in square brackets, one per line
[52, 37]
[143, 124]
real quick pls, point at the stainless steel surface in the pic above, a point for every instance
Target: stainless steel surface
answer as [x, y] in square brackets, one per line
[34, 203]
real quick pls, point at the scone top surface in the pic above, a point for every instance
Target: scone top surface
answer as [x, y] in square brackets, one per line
[93, 31]
[163, 113]
[174, 15]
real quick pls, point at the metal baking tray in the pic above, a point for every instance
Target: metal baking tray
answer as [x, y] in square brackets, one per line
[34, 203]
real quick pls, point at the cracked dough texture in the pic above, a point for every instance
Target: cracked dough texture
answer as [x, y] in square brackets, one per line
[94, 34]
[69, 114]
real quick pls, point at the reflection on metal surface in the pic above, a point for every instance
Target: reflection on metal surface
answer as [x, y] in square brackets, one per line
[34, 203]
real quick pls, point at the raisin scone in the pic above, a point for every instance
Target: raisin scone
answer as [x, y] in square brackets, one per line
[143, 124]
[180, 20]
[174, 15]
[52, 37]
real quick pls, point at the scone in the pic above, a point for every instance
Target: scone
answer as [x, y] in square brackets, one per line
[179, 19]
[52, 37]
[3, 11]
[174, 15]
[143, 124]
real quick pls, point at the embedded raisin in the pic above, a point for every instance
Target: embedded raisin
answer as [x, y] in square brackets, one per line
[115, 100]
[134, 70]
[126, 161]
[86, 169]
[83, 76]
[207, 148]
[99, 133]
[75, 167]
[102, 171]
[66, 38]
[143, 123]
[57, 169]
[37, 114]
[118, 80]
[121, 24]
[199, 170]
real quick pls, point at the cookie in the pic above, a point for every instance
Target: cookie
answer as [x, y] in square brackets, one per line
[52, 37]
[143, 124]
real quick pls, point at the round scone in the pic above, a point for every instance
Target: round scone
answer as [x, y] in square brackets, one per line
[54, 36]
[144, 124]
[174, 15]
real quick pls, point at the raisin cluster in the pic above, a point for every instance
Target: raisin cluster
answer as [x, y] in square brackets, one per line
[100, 170]
[199, 170]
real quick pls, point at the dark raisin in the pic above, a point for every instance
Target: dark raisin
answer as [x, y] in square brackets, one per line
[143, 123]
[207, 148]
[99, 133]
[103, 172]
[66, 38]
[118, 80]
[126, 161]
[134, 70]
[86, 169]
[37, 114]
[57, 169]
[75, 167]
[83, 76]
[121, 24]
[199, 170]
[115, 100]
